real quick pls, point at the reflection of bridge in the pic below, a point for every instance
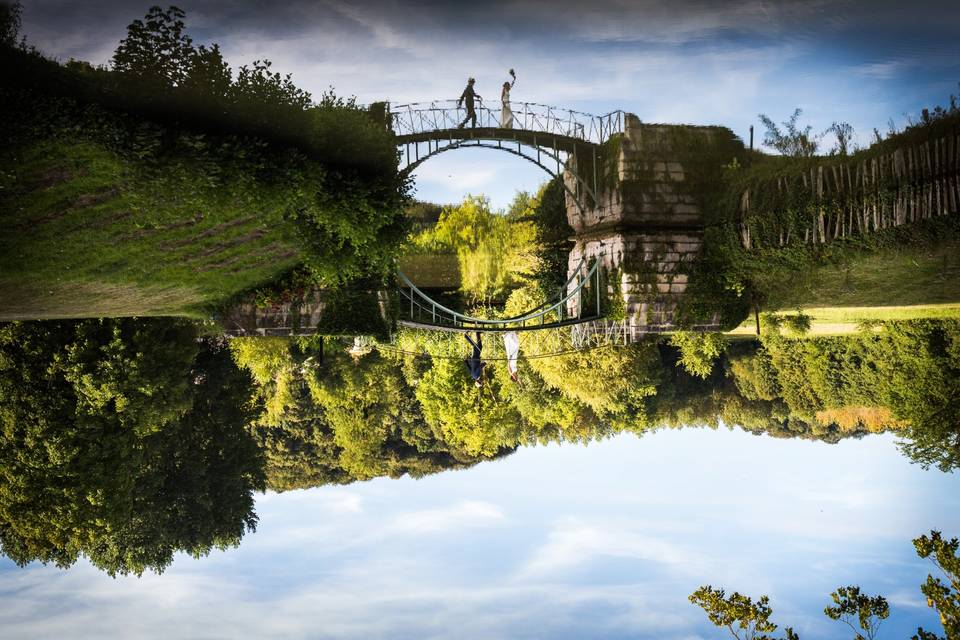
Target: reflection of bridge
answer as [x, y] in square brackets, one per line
[546, 343]
[582, 291]
[546, 136]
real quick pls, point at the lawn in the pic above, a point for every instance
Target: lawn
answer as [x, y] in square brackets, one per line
[835, 321]
[84, 238]
[918, 274]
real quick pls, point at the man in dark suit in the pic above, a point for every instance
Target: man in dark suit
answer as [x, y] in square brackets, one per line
[467, 96]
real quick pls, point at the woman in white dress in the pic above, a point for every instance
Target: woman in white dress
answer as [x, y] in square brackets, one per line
[506, 114]
[511, 344]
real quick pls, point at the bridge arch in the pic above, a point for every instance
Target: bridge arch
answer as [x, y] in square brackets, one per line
[543, 135]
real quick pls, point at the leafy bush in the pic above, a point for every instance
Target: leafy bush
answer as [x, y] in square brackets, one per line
[698, 351]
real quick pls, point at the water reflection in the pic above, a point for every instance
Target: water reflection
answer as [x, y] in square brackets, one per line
[128, 440]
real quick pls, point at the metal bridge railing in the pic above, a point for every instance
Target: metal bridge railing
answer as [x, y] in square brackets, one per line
[424, 117]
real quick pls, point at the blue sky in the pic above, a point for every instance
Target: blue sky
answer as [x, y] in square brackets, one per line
[604, 541]
[687, 61]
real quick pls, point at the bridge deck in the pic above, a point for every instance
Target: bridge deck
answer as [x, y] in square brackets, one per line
[568, 144]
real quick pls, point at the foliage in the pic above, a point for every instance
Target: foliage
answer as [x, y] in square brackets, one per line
[549, 212]
[943, 597]
[850, 604]
[168, 171]
[698, 351]
[752, 620]
[468, 417]
[611, 381]
[792, 140]
[798, 324]
[844, 134]
[10, 23]
[124, 469]
[744, 618]
[493, 250]
[356, 308]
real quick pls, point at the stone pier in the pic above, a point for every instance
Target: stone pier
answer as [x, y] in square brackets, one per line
[646, 225]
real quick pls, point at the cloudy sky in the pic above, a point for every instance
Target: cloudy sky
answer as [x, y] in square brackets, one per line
[555, 542]
[694, 61]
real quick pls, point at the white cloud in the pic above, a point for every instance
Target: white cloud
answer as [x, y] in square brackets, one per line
[572, 544]
[461, 515]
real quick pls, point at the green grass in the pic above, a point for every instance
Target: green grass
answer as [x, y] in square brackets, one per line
[83, 237]
[834, 321]
[906, 276]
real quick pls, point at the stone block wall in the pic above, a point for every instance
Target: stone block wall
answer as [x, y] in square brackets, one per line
[647, 224]
[648, 268]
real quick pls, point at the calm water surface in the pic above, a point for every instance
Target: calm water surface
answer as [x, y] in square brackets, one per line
[604, 541]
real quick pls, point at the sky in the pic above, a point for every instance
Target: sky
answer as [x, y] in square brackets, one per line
[560, 542]
[686, 61]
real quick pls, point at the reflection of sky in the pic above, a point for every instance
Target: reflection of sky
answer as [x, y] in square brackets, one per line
[553, 542]
[694, 61]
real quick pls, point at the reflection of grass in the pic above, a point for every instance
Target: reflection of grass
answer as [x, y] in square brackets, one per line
[845, 320]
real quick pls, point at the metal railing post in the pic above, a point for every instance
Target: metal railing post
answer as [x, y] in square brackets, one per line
[597, 267]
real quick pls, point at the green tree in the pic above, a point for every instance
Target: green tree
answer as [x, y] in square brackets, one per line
[791, 140]
[944, 597]
[739, 614]
[493, 250]
[851, 604]
[698, 351]
[157, 50]
[124, 470]
[468, 418]
[611, 381]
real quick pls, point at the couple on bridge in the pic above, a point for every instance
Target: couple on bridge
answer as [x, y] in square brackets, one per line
[468, 96]
[475, 365]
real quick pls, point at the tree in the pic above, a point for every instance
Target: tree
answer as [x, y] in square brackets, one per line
[10, 23]
[553, 232]
[156, 50]
[851, 604]
[122, 440]
[844, 134]
[944, 597]
[469, 419]
[793, 141]
[611, 381]
[698, 351]
[744, 619]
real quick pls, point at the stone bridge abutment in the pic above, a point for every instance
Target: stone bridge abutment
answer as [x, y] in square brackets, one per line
[647, 221]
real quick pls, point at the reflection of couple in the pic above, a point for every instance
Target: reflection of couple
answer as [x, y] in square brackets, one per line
[469, 95]
[511, 344]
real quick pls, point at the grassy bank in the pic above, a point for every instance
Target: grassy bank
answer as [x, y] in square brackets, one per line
[87, 241]
[168, 185]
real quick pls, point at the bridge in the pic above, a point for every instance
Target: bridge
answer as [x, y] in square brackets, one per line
[636, 234]
[583, 290]
[558, 141]
[553, 139]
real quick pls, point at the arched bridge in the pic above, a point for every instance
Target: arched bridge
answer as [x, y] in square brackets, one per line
[546, 136]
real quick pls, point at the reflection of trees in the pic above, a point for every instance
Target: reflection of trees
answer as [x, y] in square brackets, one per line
[345, 419]
[390, 415]
[124, 441]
